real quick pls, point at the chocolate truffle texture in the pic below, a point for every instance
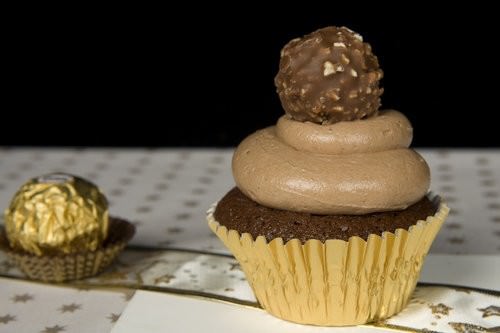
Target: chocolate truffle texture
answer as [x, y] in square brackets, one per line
[329, 76]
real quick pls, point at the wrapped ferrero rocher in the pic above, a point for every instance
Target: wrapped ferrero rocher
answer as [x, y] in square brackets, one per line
[57, 213]
[57, 228]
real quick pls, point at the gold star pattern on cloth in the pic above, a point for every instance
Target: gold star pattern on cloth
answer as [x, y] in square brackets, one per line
[456, 240]
[5, 319]
[174, 230]
[70, 307]
[440, 309]
[54, 329]
[35, 307]
[212, 275]
[491, 310]
[234, 265]
[176, 196]
[23, 298]
[470, 328]
[113, 317]
[147, 309]
[447, 310]
[164, 278]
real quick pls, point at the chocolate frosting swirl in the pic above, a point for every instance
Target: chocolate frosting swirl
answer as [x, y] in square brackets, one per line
[355, 167]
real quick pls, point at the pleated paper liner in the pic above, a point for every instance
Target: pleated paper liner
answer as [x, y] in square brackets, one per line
[337, 282]
[60, 268]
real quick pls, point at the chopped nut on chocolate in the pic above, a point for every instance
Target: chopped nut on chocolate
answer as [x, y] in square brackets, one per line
[329, 76]
[329, 69]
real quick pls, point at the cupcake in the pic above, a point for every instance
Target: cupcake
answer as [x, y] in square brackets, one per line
[57, 228]
[331, 218]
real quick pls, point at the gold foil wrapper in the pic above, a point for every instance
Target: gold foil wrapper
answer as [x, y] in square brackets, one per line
[57, 214]
[75, 266]
[335, 283]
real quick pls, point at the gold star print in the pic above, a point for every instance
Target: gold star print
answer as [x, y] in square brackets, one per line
[22, 298]
[113, 317]
[70, 307]
[470, 328]
[495, 206]
[440, 309]
[174, 230]
[183, 216]
[165, 243]
[164, 278]
[234, 266]
[491, 310]
[5, 319]
[54, 329]
[456, 240]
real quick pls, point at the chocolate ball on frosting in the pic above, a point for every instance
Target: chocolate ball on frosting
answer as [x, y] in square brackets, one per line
[329, 76]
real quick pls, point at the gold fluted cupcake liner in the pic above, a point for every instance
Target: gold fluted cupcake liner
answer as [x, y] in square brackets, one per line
[60, 268]
[337, 282]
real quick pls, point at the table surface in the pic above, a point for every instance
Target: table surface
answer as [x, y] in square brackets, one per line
[165, 193]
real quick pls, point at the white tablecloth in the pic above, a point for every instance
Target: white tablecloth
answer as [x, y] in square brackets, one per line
[166, 192]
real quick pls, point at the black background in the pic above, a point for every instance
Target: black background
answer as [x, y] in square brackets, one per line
[204, 76]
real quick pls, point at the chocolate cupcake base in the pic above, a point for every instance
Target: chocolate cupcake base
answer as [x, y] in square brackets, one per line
[334, 282]
[60, 268]
[238, 212]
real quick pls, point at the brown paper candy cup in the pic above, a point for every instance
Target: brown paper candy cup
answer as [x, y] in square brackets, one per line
[337, 282]
[59, 268]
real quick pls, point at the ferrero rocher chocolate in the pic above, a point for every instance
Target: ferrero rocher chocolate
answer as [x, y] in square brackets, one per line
[328, 76]
[57, 214]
